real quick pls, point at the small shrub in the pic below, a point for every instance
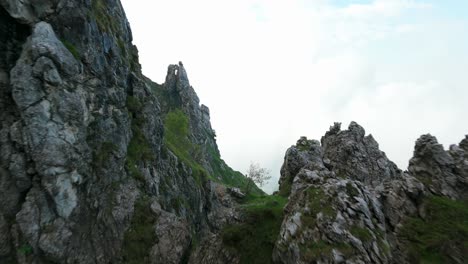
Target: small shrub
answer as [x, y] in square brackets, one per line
[73, 50]
[351, 191]
[134, 105]
[254, 239]
[138, 149]
[25, 249]
[141, 236]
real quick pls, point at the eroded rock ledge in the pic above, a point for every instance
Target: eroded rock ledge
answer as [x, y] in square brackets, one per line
[349, 203]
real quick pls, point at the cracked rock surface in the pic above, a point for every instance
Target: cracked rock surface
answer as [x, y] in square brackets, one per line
[349, 204]
[86, 175]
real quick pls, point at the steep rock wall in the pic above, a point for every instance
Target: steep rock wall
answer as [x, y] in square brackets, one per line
[86, 175]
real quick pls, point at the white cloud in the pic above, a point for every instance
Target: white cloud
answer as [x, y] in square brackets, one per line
[386, 8]
[272, 70]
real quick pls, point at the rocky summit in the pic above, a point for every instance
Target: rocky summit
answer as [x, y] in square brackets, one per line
[98, 164]
[348, 203]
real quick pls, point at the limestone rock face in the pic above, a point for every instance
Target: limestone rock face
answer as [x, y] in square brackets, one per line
[443, 172]
[353, 155]
[84, 145]
[211, 250]
[348, 203]
[98, 164]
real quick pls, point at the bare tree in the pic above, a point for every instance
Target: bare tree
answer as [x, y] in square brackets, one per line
[257, 175]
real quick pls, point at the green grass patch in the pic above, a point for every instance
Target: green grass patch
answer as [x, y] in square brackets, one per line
[318, 202]
[426, 180]
[253, 202]
[442, 235]
[362, 233]
[303, 147]
[73, 50]
[312, 251]
[141, 236]
[121, 44]
[176, 139]
[230, 177]
[25, 249]
[383, 245]
[104, 20]
[254, 239]
[169, 100]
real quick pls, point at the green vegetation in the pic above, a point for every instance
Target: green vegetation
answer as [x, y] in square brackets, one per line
[350, 190]
[168, 101]
[73, 50]
[254, 239]
[105, 21]
[140, 237]
[25, 249]
[301, 147]
[312, 251]
[229, 176]
[442, 235]
[176, 129]
[134, 105]
[426, 180]
[318, 202]
[384, 246]
[362, 233]
[121, 44]
[176, 139]
[179, 202]
[139, 148]
[285, 187]
[103, 154]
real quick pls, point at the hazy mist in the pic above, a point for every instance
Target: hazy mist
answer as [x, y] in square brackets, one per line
[272, 71]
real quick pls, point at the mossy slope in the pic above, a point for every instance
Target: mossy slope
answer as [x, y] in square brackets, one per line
[254, 239]
[442, 236]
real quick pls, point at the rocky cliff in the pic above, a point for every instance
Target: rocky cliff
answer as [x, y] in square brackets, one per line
[98, 163]
[349, 204]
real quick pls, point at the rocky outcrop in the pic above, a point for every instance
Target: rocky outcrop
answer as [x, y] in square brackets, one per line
[443, 172]
[349, 203]
[212, 250]
[98, 164]
[88, 174]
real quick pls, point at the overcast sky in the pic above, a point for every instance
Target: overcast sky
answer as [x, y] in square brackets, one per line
[272, 71]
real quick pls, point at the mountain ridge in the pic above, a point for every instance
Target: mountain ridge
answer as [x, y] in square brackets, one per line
[98, 164]
[93, 168]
